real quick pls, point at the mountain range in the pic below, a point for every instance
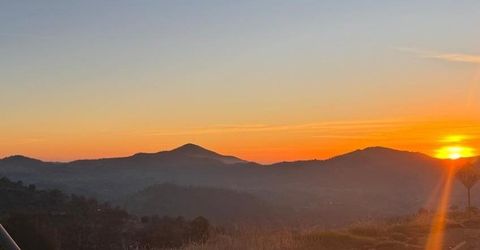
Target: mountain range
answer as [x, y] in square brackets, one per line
[372, 182]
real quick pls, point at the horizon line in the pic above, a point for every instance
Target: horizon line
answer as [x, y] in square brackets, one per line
[197, 145]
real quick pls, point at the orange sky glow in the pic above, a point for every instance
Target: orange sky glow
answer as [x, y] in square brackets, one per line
[265, 82]
[264, 143]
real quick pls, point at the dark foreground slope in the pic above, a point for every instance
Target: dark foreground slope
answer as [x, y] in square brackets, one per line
[52, 220]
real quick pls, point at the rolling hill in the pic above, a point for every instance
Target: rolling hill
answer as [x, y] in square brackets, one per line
[220, 206]
[370, 182]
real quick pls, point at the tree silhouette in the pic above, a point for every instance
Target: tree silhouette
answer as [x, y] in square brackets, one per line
[468, 175]
[50, 219]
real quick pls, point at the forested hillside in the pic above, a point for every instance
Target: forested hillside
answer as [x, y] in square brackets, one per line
[217, 205]
[51, 220]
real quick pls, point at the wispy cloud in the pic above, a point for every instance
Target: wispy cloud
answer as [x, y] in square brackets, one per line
[465, 58]
[21, 141]
[417, 131]
[444, 56]
[334, 128]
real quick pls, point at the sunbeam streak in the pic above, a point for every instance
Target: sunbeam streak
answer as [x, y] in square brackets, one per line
[437, 229]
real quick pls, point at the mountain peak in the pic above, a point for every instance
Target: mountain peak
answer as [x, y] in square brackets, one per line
[379, 149]
[379, 152]
[194, 150]
[191, 148]
[19, 158]
[385, 150]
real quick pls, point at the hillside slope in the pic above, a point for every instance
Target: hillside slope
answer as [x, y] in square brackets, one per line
[365, 183]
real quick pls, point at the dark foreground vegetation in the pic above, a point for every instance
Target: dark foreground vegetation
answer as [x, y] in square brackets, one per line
[403, 233]
[50, 220]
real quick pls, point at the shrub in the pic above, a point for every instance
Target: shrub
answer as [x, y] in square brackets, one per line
[368, 230]
[334, 240]
[392, 245]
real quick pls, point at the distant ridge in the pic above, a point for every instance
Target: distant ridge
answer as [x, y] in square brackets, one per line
[194, 150]
[19, 158]
[374, 181]
[378, 150]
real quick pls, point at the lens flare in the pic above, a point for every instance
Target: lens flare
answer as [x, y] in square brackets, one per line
[455, 152]
[454, 138]
[437, 231]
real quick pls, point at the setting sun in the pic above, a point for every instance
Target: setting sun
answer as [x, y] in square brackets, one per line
[455, 152]
[330, 124]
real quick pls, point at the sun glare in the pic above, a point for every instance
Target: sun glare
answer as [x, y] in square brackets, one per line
[454, 138]
[455, 152]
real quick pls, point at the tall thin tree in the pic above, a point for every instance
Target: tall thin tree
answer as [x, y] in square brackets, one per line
[469, 175]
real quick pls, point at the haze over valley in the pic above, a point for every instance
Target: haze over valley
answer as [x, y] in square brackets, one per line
[240, 125]
[372, 182]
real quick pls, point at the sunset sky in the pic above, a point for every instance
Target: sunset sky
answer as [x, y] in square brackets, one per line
[263, 80]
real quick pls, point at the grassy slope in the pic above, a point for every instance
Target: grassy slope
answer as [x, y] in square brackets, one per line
[403, 233]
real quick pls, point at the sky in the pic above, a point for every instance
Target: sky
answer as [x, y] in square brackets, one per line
[263, 80]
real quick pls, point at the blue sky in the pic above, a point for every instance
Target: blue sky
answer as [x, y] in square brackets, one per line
[80, 68]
